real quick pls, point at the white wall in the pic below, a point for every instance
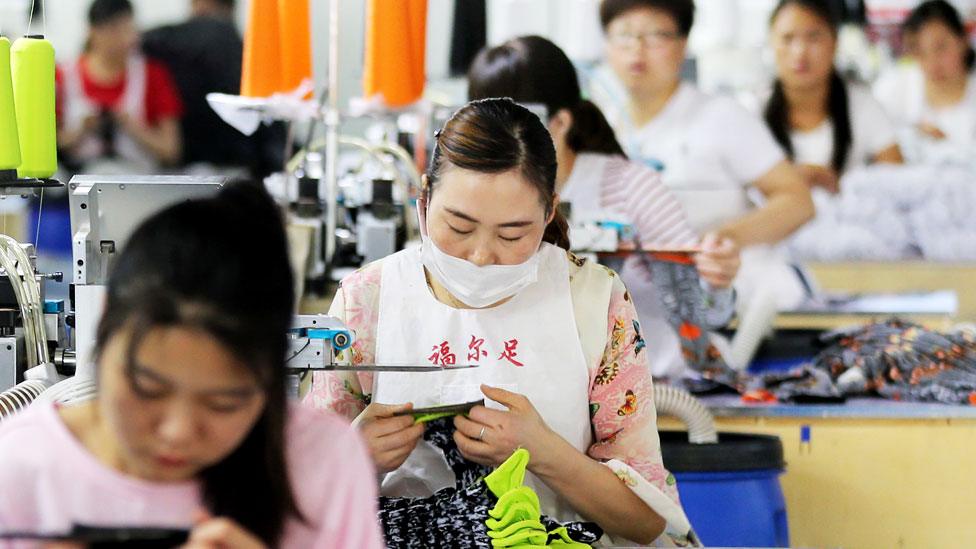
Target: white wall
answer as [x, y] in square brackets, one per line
[574, 25]
[66, 24]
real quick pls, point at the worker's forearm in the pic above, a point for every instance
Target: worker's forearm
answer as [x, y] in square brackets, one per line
[164, 145]
[69, 139]
[595, 493]
[774, 221]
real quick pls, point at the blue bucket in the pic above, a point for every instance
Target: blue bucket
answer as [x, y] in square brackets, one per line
[730, 490]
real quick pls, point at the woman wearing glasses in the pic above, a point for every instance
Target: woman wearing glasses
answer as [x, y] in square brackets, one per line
[709, 149]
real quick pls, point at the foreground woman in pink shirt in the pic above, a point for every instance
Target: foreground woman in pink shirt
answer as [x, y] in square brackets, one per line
[190, 428]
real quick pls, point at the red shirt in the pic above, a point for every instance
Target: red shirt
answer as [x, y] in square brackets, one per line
[162, 98]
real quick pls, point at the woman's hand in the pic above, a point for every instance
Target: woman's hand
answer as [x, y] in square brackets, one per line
[718, 262]
[389, 439]
[820, 176]
[489, 437]
[220, 533]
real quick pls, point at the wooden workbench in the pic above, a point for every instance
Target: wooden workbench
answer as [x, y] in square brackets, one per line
[905, 276]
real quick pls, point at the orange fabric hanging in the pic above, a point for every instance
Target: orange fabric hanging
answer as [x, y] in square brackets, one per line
[396, 37]
[277, 47]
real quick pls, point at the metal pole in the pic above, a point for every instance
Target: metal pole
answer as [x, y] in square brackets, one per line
[332, 134]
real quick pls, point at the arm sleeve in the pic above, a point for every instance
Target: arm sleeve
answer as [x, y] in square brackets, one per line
[355, 524]
[749, 149]
[59, 95]
[624, 419]
[648, 203]
[872, 123]
[162, 97]
[355, 304]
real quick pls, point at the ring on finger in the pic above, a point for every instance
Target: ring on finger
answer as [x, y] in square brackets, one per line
[481, 435]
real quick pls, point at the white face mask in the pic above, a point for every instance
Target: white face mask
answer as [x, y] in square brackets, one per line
[476, 286]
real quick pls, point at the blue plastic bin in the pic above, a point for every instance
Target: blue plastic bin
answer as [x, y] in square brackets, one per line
[730, 490]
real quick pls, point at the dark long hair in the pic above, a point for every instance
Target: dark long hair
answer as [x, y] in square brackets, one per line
[777, 110]
[531, 69]
[942, 12]
[195, 265]
[495, 136]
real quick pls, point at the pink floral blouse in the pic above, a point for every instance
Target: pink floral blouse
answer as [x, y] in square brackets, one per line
[623, 417]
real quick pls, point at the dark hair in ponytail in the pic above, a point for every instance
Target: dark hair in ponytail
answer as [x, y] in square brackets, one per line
[188, 266]
[943, 12]
[531, 69]
[495, 136]
[777, 113]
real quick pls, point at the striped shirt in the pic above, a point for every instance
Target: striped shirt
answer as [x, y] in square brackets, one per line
[633, 191]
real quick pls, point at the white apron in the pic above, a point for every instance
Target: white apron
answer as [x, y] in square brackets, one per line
[78, 107]
[528, 345]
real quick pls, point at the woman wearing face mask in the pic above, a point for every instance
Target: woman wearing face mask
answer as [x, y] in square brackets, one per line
[710, 151]
[190, 427]
[937, 102]
[593, 173]
[116, 107]
[556, 339]
[825, 125]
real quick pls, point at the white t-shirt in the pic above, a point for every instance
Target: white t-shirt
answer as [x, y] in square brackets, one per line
[871, 132]
[709, 150]
[901, 91]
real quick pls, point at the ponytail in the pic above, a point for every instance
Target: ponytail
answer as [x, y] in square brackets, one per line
[591, 132]
[557, 231]
[778, 118]
[840, 113]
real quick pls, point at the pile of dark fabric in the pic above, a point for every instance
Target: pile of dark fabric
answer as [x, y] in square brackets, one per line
[902, 361]
[893, 359]
[455, 516]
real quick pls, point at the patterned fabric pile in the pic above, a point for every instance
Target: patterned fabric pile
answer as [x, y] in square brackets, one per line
[894, 359]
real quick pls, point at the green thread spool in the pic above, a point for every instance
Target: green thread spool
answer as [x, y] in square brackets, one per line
[9, 141]
[32, 64]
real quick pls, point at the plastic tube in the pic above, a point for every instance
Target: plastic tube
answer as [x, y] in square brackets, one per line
[23, 300]
[678, 403]
[33, 292]
[72, 390]
[755, 324]
[32, 69]
[9, 141]
[20, 396]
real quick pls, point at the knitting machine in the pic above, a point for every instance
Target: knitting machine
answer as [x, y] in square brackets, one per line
[593, 230]
[43, 344]
[375, 182]
[32, 330]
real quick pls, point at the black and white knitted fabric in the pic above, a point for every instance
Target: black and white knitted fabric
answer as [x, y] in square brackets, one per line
[454, 516]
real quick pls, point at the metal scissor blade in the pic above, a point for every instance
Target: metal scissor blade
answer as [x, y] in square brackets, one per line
[395, 367]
